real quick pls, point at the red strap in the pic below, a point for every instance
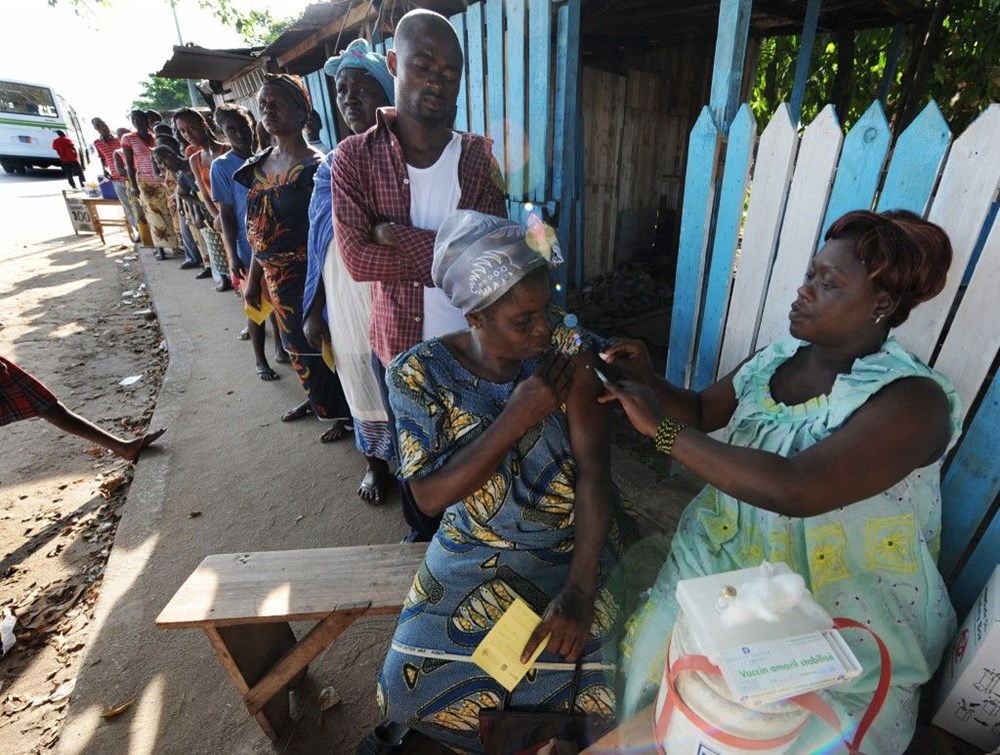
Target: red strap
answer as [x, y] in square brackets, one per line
[809, 701]
[881, 691]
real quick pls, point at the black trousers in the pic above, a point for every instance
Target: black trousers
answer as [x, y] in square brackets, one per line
[422, 526]
[72, 169]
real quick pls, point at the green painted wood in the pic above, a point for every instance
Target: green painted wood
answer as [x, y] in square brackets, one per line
[732, 196]
[516, 42]
[476, 83]
[860, 167]
[696, 222]
[806, 42]
[539, 85]
[730, 58]
[968, 491]
[496, 126]
[916, 163]
[891, 62]
[461, 105]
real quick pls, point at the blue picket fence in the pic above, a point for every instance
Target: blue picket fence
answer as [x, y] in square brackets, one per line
[749, 226]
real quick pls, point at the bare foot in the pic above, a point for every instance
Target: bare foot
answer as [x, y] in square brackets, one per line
[339, 430]
[302, 410]
[131, 449]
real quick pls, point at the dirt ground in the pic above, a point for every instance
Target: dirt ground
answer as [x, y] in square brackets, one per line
[70, 313]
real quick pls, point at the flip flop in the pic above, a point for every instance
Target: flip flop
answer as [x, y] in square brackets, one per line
[267, 374]
[281, 357]
[300, 411]
[339, 431]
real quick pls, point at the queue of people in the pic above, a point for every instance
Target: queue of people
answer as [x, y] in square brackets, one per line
[394, 254]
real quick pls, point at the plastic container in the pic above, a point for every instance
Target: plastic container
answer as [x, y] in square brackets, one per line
[107, 189]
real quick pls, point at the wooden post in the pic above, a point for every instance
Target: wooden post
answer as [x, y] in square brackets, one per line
[730, 51]
[891, 62]
[567, 144]
[806, 43]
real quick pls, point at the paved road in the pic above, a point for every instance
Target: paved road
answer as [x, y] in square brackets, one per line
[259, 484]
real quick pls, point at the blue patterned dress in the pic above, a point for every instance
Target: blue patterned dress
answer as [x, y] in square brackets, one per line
[874, 561]
[511, 538]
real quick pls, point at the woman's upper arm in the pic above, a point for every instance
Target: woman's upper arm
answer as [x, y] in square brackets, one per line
[904, 426]
[718, 402]
[589, 421]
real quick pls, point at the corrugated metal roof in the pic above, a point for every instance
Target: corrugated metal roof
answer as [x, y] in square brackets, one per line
[194, 62]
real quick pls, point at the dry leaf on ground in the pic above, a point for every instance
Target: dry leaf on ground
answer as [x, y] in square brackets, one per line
[117, 710]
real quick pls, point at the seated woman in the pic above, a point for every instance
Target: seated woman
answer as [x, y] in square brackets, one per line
[503, 434]
[831, 465]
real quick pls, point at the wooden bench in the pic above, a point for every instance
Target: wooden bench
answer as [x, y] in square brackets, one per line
[244, 601]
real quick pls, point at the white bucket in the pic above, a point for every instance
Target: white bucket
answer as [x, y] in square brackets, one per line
[703, 717]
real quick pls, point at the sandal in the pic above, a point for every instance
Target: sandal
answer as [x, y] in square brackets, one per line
[266, 374]
[244, 335]
[300, 411]
[386, 738]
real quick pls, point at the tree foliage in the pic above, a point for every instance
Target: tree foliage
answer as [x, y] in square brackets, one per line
[963, 77]
[160, 93]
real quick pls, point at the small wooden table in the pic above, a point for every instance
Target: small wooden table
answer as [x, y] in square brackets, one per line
[244, 601]
[96, 223]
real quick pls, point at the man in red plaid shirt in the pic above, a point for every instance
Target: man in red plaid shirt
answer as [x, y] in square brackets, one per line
[392, 188]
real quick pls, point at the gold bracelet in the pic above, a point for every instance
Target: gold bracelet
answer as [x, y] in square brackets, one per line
[666, 434]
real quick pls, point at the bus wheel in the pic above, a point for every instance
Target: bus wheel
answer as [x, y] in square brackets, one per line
[22, 168]
[10, 166]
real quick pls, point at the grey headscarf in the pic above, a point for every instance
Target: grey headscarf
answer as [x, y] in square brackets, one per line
[478, 258]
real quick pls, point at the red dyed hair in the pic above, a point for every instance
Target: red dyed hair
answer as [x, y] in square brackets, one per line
[906, 256]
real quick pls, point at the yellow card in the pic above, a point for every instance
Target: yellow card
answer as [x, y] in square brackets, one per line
[499, 654]
[328, 356]
[259, 315]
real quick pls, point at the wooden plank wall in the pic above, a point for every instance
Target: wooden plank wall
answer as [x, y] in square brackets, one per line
[647, 124]
[603, 105]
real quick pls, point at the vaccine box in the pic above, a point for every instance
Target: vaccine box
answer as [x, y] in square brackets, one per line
[968, 702]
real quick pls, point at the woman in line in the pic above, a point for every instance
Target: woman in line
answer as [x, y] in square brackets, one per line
[236, 125]
[331, 295]
[499, 429]
[202, 150]
[834, 439]
[280, 183]
[147, 187]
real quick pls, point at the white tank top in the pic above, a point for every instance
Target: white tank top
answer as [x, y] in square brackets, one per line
[434, 194]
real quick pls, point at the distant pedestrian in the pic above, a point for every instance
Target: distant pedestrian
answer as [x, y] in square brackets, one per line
[68, 158]
[23, 396]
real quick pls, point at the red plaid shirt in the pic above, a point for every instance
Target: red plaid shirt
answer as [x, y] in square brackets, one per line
[21, 395]
[371, 185]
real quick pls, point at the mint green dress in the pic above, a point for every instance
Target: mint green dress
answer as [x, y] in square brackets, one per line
[874, 561]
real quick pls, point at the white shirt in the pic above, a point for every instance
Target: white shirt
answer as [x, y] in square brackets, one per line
[434, 194]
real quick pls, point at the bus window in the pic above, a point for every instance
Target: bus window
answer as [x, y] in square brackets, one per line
[26, 99]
